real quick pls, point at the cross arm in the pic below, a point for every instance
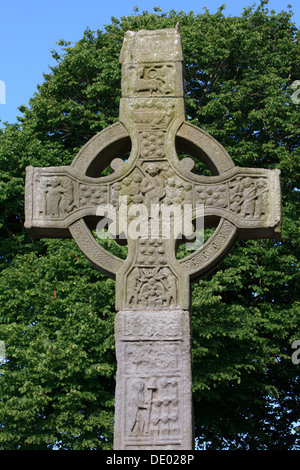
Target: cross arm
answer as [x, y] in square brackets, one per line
[56, 197]
[247, 197]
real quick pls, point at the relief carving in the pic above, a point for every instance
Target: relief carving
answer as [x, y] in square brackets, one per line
[145, 187]
[211, 249]
[154, 374]
[151, 252]
[212, 195]
[56, 196]
[60, 195]
[154, 407]
[154, 183]
[245, 196]
[152, 114]
[93, 195]
[152, 144]
[148, 325]
[140, 408]
[155, 79]
[144, 358]
[248, 197]
[151, 288]
[178, 191]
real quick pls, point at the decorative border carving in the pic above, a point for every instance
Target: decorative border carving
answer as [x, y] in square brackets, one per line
[104, 261]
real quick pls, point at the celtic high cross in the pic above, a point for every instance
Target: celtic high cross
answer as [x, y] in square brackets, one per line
[153, 407]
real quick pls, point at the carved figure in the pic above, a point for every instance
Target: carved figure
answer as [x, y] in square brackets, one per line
[66, 203]
[261, 201]
[57, 197]
[140, 408]
[53, 196]
[249, 194]
[152, 287]
[133, 285]
[165, 408]
[170, 286]
[153, 187]
[153, 80]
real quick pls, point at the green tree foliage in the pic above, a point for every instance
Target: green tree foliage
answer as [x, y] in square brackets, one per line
[57, 311]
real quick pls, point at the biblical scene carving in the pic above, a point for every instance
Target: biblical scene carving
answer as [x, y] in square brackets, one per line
[152, 114]
[56, 196]
[146, 358]
[151, 288]
[148, 325]
[154, 407]
[153, 183]
[154, 371]
[60, 195]
[155, 79]
[248, 197]
[178, 191]
[245, 196]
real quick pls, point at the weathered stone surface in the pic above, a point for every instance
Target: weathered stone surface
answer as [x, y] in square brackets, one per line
[153, 395]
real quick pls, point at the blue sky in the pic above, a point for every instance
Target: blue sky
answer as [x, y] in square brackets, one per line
[30, 29]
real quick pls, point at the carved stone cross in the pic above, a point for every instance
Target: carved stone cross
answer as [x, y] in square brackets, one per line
[153, 407]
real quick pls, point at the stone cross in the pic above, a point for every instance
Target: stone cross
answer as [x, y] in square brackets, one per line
[153, 406]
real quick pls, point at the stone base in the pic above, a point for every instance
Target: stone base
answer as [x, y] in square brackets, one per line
[153, 408]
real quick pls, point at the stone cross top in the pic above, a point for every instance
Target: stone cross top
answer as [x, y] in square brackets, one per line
[153, 407]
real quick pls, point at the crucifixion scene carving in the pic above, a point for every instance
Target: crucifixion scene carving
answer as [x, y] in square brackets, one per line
[153, 199]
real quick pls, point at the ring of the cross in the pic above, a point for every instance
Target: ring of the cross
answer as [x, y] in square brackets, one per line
[115, 141]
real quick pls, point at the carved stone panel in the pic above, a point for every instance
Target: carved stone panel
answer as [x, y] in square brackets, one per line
[244, 196]
[56, 197]
[151, 288]
[153, 406]
[153, 410]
